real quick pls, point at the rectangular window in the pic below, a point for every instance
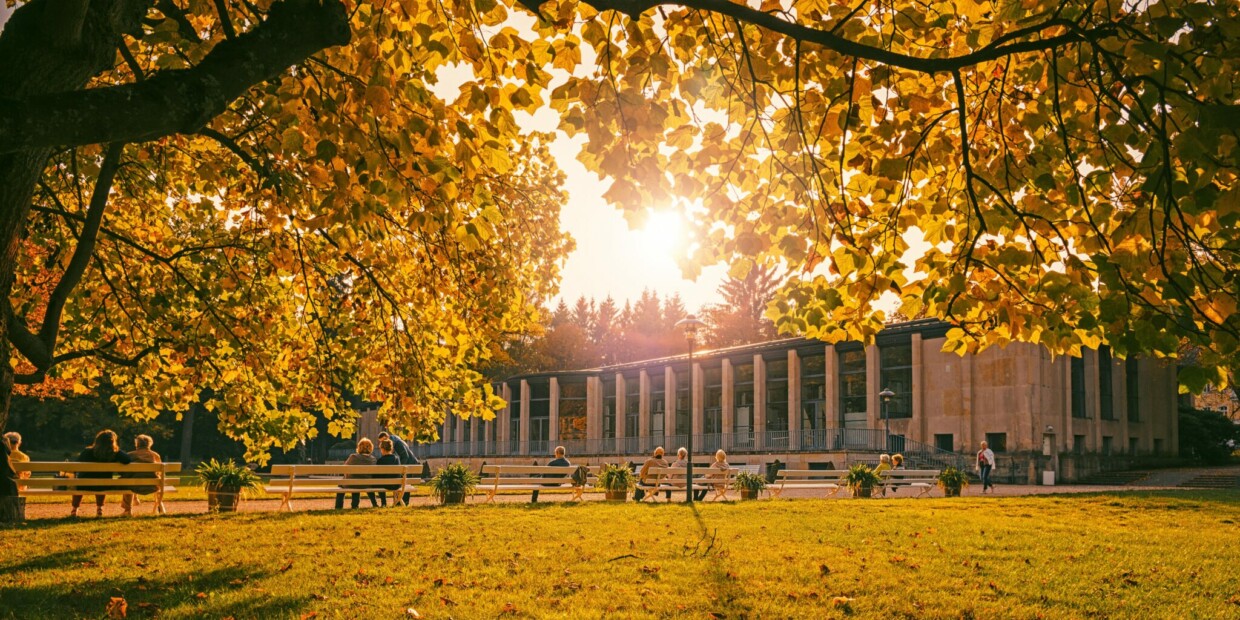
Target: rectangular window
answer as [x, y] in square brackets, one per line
[777, 395]
[1107, 445]
[945, 442]
[742, 403]
[1132, 387]
[1078, 444]
[632, 404]
[609, 407]
[572, 410]
[1078, 388]
[1105, 385]
[1158, 447]
[712, 420]
[813, 401]
[896, 364]
[683, 401]
[658, 405]
[1132, 445]
[997, 442]
[852, 389]
[895, 444]
[540, 414]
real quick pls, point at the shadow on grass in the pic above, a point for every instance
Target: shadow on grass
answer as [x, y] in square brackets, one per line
[730, 596]
[228, 591]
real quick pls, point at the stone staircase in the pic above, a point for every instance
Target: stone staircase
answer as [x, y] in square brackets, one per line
[1213, 481]
[1113, 478]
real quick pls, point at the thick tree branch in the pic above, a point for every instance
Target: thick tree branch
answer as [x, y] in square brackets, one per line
[830, 40]
[177, 101]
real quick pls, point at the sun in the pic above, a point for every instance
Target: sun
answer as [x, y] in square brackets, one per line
[663, 234]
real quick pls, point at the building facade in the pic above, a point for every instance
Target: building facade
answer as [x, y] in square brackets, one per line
[810, 404]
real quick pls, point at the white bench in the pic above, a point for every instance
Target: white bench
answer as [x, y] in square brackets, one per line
[673, 479]
[289, 480]
[921, 479]
[827, 479]
[496, 478]
[135, 479]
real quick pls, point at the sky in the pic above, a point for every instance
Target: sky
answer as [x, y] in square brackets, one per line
[610, 259]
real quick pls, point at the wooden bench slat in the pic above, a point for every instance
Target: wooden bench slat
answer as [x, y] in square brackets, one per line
[75, 467]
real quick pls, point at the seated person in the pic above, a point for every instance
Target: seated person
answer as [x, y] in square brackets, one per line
[363, 456]
[103, 450]
[387, 457]
[17, 456]
[654, 461]
[142, 453]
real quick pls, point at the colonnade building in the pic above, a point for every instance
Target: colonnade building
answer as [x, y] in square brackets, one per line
[812, 404]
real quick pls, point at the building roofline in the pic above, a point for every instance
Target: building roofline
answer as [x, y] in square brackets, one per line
[932, 327]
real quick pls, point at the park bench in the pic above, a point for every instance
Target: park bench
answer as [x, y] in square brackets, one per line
[63, 478]
[672, 479]
[289, 480]
[827, 479]
[496, 478]
[921, 479]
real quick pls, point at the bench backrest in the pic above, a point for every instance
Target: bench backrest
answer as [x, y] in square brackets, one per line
[909, 474]
[47, 475]
[335, 476]
[830, 475]
[545, 475]
[701, 475]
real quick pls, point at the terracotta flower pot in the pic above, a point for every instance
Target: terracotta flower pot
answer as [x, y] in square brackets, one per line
[453, 498]
[616, 496]
[749, 494]
[951, 491]
[223, 499]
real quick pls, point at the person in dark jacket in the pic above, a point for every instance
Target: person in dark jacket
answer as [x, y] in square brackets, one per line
[558, 461]
[402, 452]
[387, 458]
[103, 450]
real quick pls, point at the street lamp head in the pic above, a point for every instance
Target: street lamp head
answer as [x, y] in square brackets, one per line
[887, 394]
[690, 326]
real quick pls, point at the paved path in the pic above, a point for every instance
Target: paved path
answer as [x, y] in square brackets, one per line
[112, 508]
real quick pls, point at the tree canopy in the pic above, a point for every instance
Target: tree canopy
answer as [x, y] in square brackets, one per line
[270, 198]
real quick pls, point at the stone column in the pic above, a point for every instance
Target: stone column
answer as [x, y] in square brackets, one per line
[669, 404]
[1067, 423]
[505, 435]
[488, 436]
[1120, 397]
[446, 436]
[524, 432]
[727, 405]
[643, 410]
[594, 407]
[917, 426]
[699, 402]
[831, 391]
[759, 402]
[459, 428]
[1093, 399]
[873, 385]
[553, 413]
[621, 405]
[794, 400]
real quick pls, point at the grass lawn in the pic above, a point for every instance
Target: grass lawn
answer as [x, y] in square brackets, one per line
[1129, 555]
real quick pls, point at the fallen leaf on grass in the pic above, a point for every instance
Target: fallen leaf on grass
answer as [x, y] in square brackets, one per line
[508, 608]
[117, 607]
[412, 613]
[309, 614]
[201, 595]
[318, 597]
[286, 567]
[445, 601]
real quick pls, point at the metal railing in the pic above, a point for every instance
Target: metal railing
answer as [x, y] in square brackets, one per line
[864, 440]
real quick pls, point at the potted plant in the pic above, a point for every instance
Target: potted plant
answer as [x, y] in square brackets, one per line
[616, 481]
[951, 480]
[861, 480]
[749, 484]
[225, 482]
[453, 482]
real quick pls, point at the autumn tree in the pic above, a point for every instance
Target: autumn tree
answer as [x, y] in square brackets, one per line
[741, 317]
[269, 200]
[1060, 172]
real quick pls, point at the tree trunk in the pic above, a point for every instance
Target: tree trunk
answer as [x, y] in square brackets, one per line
[12, 509]
[187, 434]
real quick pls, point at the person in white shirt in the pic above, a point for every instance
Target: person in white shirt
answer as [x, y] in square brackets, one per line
[985, 464]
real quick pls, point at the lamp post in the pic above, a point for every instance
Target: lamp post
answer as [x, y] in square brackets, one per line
[690, 326]
[886, 395]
